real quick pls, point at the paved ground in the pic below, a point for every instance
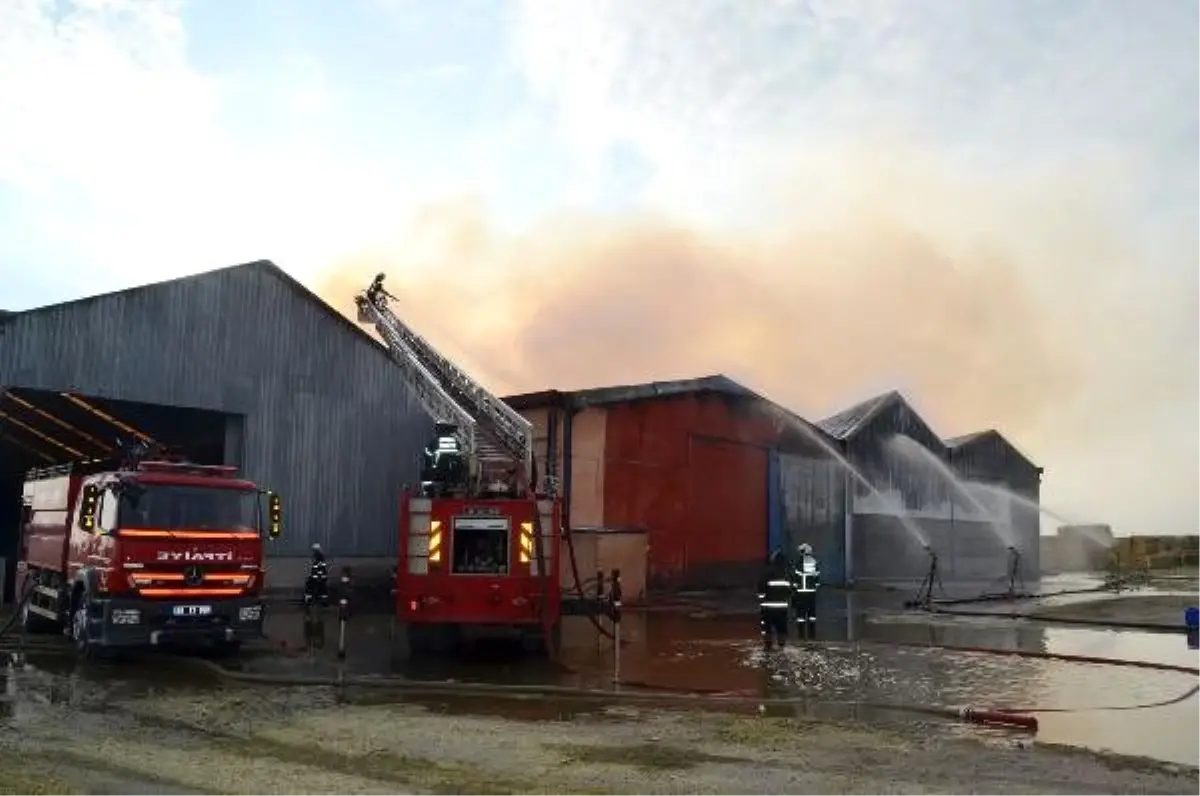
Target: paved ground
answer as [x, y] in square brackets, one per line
[227, 740]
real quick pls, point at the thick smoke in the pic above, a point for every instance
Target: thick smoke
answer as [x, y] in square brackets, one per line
[1021, 319]
[810, 318]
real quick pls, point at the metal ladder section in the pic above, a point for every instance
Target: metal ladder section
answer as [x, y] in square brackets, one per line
[491, 430]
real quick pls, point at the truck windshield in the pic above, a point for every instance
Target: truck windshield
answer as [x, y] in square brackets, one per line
[190, 508]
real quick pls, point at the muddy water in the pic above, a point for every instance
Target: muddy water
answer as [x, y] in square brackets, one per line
[855, 663]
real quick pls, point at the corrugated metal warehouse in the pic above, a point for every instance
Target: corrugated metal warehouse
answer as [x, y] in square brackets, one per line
[242, 365]
[970, 532]
[986, 457]
[697, 464]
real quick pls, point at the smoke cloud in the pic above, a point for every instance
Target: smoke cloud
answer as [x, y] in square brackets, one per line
[985, 310]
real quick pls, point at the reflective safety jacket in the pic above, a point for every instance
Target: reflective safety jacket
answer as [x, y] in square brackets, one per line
[774, 592]
[806, 575]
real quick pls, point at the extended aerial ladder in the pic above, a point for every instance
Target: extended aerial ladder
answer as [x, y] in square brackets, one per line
[489, 430]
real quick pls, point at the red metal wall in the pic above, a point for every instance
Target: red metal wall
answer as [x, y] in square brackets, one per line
[692, 470]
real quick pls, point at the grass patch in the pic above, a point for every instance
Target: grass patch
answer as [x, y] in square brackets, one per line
[25, 776]
[650, 756]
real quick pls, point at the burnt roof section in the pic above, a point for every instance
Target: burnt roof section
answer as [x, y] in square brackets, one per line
[976, 437]
[266, 266]
[848, 422]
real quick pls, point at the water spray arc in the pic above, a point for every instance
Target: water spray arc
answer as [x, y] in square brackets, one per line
[906, 522]
[913, 451]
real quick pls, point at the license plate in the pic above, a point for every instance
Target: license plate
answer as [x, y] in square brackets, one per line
[192, 610]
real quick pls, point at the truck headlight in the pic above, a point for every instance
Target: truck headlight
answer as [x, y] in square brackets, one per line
[126, 616]
[249, 613]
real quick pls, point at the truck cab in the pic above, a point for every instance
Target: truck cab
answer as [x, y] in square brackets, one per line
[141, 556]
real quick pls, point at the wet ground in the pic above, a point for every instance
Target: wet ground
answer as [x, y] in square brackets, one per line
[853, 670]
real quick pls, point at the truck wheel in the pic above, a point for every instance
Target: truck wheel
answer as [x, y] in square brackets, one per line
[81, 631]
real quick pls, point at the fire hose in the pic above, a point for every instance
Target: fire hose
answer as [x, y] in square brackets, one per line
[1150, 627]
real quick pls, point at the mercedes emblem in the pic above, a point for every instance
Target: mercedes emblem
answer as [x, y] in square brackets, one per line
[193, 576]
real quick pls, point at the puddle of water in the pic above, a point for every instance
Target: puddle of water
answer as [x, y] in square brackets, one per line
[721, 653]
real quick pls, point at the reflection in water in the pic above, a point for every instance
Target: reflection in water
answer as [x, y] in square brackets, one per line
[853, 663]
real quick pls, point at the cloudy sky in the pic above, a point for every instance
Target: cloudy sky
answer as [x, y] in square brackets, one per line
[991, 206]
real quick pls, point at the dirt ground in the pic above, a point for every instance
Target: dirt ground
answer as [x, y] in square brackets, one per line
[291, 741]
[1157, 609]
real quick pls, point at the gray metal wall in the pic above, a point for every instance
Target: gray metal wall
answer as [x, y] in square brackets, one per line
[881, 548]
[326, 418]
[989, 458]
[814, 510]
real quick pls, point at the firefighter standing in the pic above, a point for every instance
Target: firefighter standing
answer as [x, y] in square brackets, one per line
[774, 598]
[316, 586]
[806, 579]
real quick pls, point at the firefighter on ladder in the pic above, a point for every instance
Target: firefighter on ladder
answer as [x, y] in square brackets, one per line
[806, 579]
[774, 599]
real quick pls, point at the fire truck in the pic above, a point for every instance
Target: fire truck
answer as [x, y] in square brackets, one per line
[139, 553]
[479, 539]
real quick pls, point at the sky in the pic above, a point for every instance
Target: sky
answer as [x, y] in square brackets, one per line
[990, 206]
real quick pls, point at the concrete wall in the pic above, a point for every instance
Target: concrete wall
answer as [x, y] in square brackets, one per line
[328, 419]
[605, 550]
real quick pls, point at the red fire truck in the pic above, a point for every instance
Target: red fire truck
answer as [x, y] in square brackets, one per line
[479, 540]
[140, 553]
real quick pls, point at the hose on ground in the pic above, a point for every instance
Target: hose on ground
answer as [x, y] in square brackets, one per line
[984, 598]
[1151, 627]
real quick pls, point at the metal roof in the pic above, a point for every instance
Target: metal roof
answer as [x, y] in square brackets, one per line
[965, 440]
[848, 422]
[598, 396]
[264, 266]
[718, 384]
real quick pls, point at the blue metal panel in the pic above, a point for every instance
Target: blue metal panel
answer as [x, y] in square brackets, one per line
[812, 510]
[776, 533]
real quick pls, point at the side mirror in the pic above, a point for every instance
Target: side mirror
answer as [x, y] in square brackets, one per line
[88, 508]
[274, 515]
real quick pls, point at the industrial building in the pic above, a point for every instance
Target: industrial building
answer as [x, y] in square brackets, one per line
[913, 502]
[690, 483]
[681, 484]
[689, 470]
[241, 365]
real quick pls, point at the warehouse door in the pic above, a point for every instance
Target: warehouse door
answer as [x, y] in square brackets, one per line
[727, 531]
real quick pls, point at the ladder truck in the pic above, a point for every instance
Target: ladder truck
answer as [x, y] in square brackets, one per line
[479, 540]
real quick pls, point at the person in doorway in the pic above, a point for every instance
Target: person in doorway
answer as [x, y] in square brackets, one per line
[774, 597]
[316, 585]
[806, 579]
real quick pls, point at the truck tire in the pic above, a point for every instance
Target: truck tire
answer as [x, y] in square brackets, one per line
[81, 631]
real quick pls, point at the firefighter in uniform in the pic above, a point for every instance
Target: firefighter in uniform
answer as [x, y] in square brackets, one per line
[806, 579]
[774, 598]
[316, 585]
